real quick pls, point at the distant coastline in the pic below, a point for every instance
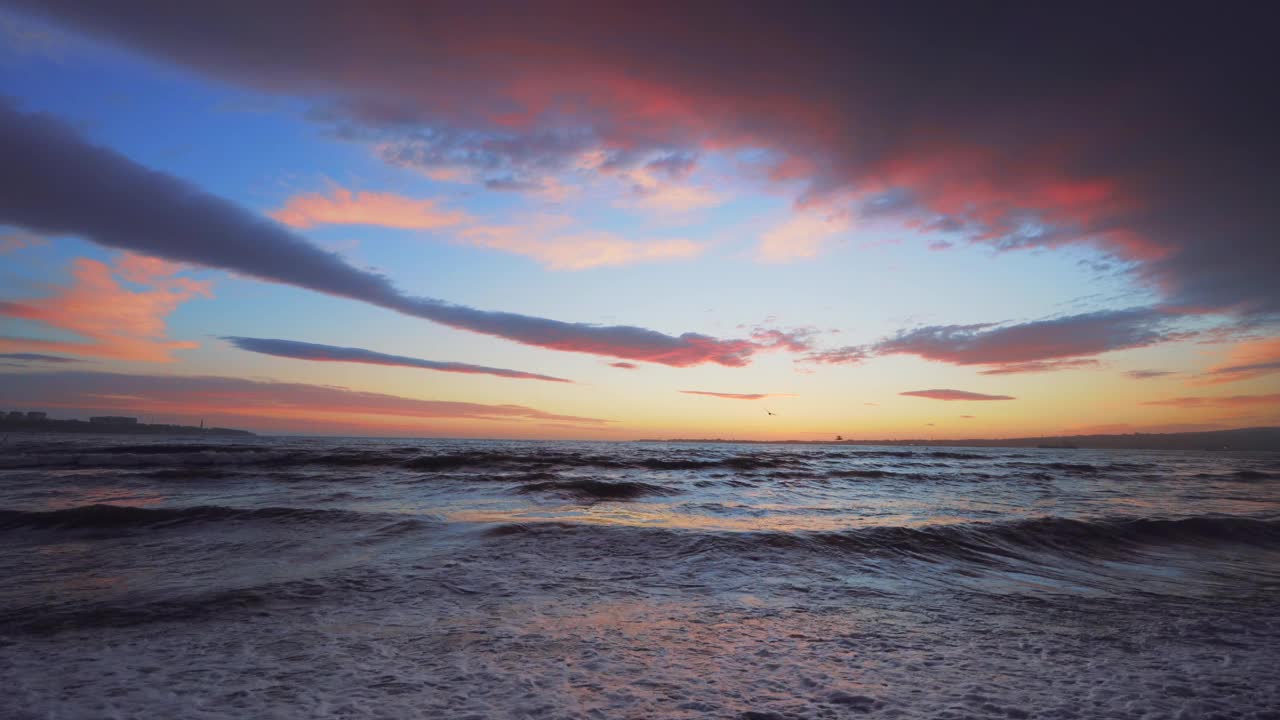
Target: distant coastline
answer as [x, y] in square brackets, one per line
[1260, 438]
[8, 425]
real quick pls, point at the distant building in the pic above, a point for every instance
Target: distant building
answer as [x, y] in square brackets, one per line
[16, 415]
[114, 420]
[37, 415]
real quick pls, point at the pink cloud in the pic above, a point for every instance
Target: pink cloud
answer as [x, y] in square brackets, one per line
[954, 395]
[736, 396]
[582, 250]
[801, 236]
[113, 320]
[1246, 361]
[659, 192]
[342, 207]
[624, 365]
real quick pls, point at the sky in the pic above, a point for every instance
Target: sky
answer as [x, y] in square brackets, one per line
[620, 221]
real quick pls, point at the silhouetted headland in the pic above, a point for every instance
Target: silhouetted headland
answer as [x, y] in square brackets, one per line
[1260, 438]
[37, 422]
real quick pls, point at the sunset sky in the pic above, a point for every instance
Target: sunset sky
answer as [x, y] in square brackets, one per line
[567, 221]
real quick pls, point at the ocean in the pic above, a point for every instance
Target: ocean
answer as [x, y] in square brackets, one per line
[392, 578]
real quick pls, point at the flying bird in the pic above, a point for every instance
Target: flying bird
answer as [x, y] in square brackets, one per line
[768, 412]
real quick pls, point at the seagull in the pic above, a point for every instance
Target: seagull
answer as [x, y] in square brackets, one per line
[770, 413]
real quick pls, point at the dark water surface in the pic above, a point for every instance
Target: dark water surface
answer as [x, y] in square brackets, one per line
[346, 578]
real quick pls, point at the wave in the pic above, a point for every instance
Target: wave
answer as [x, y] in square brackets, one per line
[598, 489]
[43, 620]
[972, 542]
[120, 517]
[217, 455]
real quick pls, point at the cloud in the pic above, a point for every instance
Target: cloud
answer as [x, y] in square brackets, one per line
[545, 241]
[1148, 374]
[1034, 153]
[1246, 361]
[59, 184]
[1054, 344]
[954, 395]
[545, 238]
[736, 396]
[1038, 366]
[112, 320]
[19, 240]
[1034, 346]
[333, 354]
[624, 365]
[1228, 401]
[793, 340]
[330, 353]
[654, 187]
[1039, 151]
[968, 417]
[801, 236]
[38, 358]
[365, 208]
[197, 394]
[1126, 428]
[847, 355]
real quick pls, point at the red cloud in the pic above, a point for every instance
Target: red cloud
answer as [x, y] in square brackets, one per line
[624, 365]
[113, 320]
[736, 396]
[954, 395]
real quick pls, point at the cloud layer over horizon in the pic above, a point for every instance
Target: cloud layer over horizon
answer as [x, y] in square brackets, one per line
[188, 394]
[942, 132]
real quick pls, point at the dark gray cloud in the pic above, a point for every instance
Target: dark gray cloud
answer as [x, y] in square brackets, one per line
[1039, 366]
[38, 357]
[55, 183]
[1036, 346]
[947, 394]
[1053, 344]
[1148, 374]
[332, 353]
[1147, 131]
[736, 396]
